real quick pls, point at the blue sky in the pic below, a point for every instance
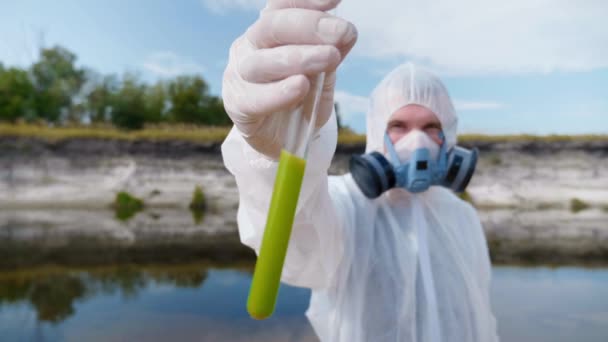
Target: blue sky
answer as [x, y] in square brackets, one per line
[538, 67]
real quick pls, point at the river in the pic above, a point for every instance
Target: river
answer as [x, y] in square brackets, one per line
[206, 302]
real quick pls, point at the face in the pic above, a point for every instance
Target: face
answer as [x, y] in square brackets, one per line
[413, 117]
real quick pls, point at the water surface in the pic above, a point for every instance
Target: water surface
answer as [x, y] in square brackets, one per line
[201, 302]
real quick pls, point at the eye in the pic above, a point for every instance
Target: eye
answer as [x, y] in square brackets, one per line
[433, 131]
[396, 126]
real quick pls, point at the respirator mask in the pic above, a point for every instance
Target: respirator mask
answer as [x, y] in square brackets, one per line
[416, 163]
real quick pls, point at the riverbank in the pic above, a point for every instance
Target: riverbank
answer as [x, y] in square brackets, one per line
[176, 140]
[34, 237]
[540, 201]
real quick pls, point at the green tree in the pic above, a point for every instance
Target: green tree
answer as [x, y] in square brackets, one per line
[16, 95]
[56, 90]
[188, 96]
[128, 104]
[191, 102]
[216, 113]
[99, 100]
[156, 102]
[57, 80]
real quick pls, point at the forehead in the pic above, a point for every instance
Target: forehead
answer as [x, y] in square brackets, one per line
[414, 114]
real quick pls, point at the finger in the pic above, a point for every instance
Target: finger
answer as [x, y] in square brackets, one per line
[319, 5]
[300, 26]
[269, 65]
[256, 100]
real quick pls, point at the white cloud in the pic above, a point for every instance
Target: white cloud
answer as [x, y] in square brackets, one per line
[223, 6]
[477, 36]
[353, 108]
[476, 105]
[169, 64]
[350, 104]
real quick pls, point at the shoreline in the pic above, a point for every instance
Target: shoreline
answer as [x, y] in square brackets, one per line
[30, 238]
[57, 194]
[35, 146]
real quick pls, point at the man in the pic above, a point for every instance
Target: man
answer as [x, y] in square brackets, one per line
[401, 267]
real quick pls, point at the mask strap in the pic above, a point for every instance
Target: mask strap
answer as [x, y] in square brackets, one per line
[391, 149]
[443, 155]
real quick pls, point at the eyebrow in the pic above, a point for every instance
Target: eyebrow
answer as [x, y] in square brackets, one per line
[434, 124]
[394, 122]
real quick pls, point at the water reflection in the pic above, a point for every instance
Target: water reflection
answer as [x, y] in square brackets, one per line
[206, 302]
[190, 302]
[52, 292]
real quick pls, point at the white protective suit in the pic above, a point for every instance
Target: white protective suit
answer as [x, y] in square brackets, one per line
[401, 267]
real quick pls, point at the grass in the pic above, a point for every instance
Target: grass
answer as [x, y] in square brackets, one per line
[126, 205]
[465, 196]
[577, 205]
[218, 134]
[160, 132]
[350, 138]
[527, 137]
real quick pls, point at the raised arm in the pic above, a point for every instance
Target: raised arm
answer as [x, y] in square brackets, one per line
[268, 75]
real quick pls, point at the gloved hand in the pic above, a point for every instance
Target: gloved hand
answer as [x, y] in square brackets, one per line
[271, 67]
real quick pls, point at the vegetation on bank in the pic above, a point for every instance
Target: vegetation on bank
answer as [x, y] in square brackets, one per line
[126, 205]
[465, 196]
[198, 204]
[152, 132]
[534, 138]
[210, 134]
[577, 205]
[55, 98]
[55, 90]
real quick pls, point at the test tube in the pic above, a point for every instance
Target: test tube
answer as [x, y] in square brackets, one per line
[288, 182]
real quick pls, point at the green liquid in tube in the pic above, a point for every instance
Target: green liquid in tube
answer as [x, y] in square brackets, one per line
[267, 275]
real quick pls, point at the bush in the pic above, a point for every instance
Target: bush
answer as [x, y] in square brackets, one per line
[198, 199]
[198, 205]
[577, 205]
[126, 205]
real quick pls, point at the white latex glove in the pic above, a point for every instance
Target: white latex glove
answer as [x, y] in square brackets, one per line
[271, 67]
